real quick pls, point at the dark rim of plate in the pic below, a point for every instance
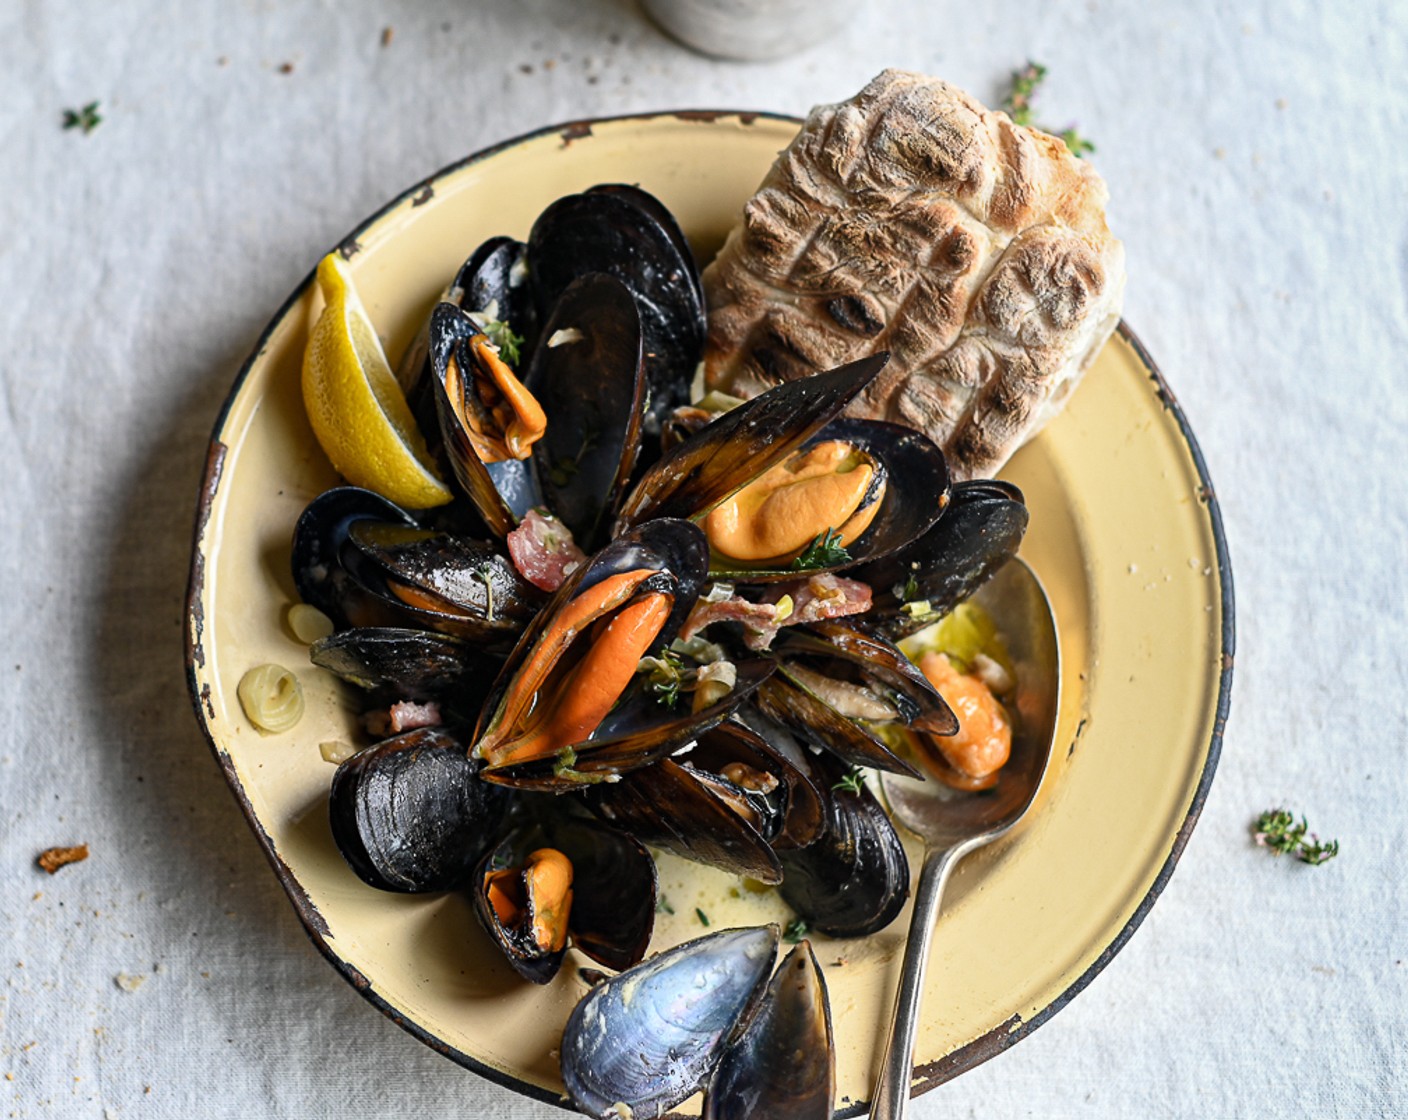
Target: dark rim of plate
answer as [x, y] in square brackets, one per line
[927, 1076]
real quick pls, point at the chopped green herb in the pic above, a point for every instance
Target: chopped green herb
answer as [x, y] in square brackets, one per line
[664, 676]
[1018, 103]
[907, 590]
[662, 906]
[703, 917]
[795, 931]
[503, 337]
[1278, 830]
[852, 782]
[86, 118]
[824, 552]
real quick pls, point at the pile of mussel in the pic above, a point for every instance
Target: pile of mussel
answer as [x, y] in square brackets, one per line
[645, 620]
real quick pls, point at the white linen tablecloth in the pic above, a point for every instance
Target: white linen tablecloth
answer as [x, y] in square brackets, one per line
[1255, 156]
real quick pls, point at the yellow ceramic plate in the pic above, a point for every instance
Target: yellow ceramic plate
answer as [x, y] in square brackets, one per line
[1124, 532]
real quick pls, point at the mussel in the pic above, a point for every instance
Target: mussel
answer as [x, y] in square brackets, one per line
[650, 1037]
[564, 877]
[979, 532]
[443, 581]
[487, 418]
[783, 1065]
[727, 801]
[842, 689]
[404, 663]
[624, 232]
[320, 541]
[854, 879]
[589, 375]
[568, 708]
[410, 814]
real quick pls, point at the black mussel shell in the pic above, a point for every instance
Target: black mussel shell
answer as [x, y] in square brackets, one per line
[593, 391]
[319, 542]
[916, 489]
[656, 209]
[726, 455]
[789, 804]
[449, 583]
[638, 731]
[853, 880]
[613, 907]
[496, 275]
[409, 664]
[979, 532]
[502, 492]
[668, 806]
[651, 1036]
[606, 231]
[410, 814]
[783, 1066]
[516, 939]
[800, 697]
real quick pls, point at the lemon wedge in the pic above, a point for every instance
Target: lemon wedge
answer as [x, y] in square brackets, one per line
[355, 405]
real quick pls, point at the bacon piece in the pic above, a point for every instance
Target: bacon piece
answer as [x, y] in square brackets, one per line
[404, 715]
[543, 550]
[813, 599]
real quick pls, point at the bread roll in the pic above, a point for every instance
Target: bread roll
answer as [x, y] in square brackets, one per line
[912, 219]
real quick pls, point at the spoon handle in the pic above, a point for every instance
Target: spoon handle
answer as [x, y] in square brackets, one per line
[892, 1090]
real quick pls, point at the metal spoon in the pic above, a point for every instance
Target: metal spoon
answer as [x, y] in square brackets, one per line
[953, 823]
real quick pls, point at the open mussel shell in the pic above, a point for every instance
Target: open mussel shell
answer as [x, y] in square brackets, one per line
[723, 457]
[788, 802]
[608, 909]
[494, 276]
[651, 1036]
[610, 232]
[647, 580]
[589, 376]
[449, 583]
[668, 806]
[644, 200]
[410, 814]
[726, 802]
[319, 542]
[402, 662]
[783, 1066]
[980, 531]
[854, 879]
[502, 492]
[523, 892]
[839, 688]
[910, 489]
[637, 732]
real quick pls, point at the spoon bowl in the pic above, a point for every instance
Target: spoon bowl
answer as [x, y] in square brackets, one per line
[943, 816]
[953, 823]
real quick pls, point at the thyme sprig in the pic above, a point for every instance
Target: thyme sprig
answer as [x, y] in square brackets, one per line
[86, 118]
[1018, 104]
[824, 552]
[502, 336]
[852, 782]
[1278, 830]
[665, 676]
